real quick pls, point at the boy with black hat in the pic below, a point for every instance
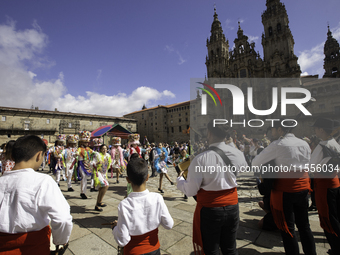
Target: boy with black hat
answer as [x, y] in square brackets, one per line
[326, 183]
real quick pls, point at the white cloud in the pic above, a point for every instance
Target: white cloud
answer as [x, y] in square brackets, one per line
[311, 61]
[304, 74]
[171, 49]
[181, 59]
[115, 105]
[20, 51]
[252, 38]
[228, 25]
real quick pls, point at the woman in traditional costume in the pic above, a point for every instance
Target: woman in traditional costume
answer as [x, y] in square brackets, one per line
[101, 164]
[96, 143]
[133, 145]
[84, 161]
[6, 157]
[118, 164]
[58, 157]
[69, 158]
[161, 166]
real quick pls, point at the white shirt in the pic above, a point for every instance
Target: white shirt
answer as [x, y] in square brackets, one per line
[140, 213]
[317, 155]
[286, 151]
[29, 201]
[212, 181]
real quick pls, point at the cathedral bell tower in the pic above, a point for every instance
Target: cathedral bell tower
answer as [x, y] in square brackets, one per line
[243, 57]
[332, 57]
[218, 51]
[278, 42]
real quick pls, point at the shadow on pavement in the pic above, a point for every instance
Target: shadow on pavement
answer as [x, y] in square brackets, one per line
[95, 221]
[250, 251]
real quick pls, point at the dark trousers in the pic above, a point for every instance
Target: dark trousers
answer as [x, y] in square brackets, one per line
[312, 195]
[219, 228]
[156, 252]
[333, 200]
[295, 208]
[153, 169]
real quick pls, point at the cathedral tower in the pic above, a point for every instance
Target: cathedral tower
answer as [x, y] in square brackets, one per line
[244, 61]
[332, 57]
[218, 50]
[278, 42]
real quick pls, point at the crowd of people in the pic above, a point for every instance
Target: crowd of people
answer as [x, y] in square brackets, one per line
[216, 218]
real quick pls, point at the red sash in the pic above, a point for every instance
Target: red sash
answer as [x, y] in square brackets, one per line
[276, 197]
[141, 244]
[35, 242]
[320, 187]
[209, 199]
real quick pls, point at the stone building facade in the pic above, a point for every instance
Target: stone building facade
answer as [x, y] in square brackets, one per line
[332, 57]
[16, 122]
[243, 61]
[163, 123]
[279, 61]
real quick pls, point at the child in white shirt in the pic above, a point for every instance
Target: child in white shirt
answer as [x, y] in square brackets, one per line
[140, 214]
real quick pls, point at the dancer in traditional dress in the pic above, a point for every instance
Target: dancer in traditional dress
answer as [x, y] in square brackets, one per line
[137, 230]
[118, 164]
[58, 157]
[96, 143]
[101, 164]
[6, 157]
[84, 168]
[133, 145]
[326, 182]
[70, 156]
[161, 166]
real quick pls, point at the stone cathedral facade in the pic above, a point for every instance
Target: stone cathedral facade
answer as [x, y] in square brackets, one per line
[278, 61]
[244, 61]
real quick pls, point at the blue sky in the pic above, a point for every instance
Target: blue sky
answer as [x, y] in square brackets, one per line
[109, 57]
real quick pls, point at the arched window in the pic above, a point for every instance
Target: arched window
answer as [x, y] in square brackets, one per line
[278, 27]
[270, 31]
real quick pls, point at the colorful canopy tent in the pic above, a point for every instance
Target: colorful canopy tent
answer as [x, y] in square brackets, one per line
[111, 130]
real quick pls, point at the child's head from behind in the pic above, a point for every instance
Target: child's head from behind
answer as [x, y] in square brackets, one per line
[26, 147]
[134, 156]
[137, 171]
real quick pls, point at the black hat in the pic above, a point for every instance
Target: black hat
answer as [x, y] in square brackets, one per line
[324, 123]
